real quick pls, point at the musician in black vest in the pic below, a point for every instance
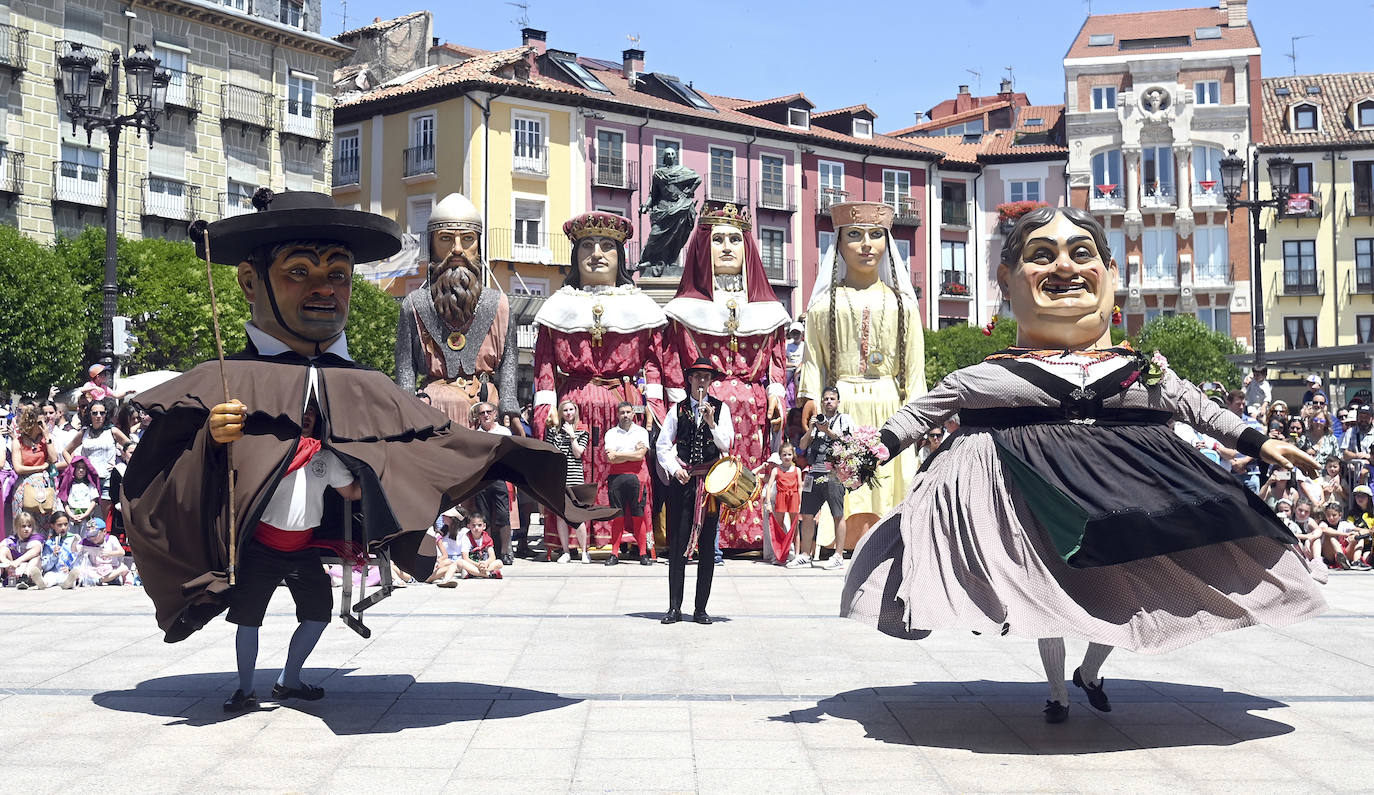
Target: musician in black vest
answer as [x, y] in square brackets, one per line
[695, 433]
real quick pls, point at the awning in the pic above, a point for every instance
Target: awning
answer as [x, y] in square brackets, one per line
[1324, 358]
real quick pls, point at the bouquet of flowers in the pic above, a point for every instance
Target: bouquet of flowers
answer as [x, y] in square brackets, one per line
[854, 457]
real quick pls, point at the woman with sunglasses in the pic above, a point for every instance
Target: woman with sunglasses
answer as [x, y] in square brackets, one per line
[99, 441]
[1319, 441]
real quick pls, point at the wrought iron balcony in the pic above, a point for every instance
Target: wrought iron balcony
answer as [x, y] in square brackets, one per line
[307, 120]
[953, 213]
[1159, 195]
[170, 199]
[246, 106]
[347, 170]
[954, 284]
[829, 197]
[907, 213]
[776, 196]
[11, 172]
[1303, 282]
[231, 204]
[616, 173]
[734, 191]
[184, 90]
[778, 269]
[1302, 205]
[1360, 202]
[418, 160]
[1106, 197]
[14, 48]
[1364, 280]
[516, 245]
[1208, 194]
[78, 183]
[529, 160]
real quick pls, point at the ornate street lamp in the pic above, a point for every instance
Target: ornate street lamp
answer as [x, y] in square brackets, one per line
[92, 97]
[1280, 178]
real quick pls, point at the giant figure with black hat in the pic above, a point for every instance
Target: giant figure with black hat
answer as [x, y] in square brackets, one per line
[696, 432]
[296, 402]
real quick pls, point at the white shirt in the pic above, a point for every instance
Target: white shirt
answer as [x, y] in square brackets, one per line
[298, 501]
[499, 430]
[666, 449]
[623, 441]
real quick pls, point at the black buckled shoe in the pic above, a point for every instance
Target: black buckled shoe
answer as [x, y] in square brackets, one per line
[673, 616]
[1056, 712]
[1096, 695]
[700, 617]
[645, 560]
[240, 702]
[613, 559]
[304, 692]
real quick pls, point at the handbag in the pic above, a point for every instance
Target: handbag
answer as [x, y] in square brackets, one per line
[37, 498]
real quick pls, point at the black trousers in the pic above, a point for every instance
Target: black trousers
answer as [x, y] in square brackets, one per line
[680, 502]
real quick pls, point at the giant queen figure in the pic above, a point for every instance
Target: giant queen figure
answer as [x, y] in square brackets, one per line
[454, 338]
[726, 312]
[594, 336]
[864, 336]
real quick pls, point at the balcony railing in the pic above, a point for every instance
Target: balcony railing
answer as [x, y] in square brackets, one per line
[776, 196]
[778, 269]
[1360, 202]
[955, 284]
[14, 48]
[525, 336]
[1303, 282]
[232, 204]
[307, 120]
[953, 212]
[1302, 205]
[542, 248]
[246, 106]
[11, 172]
[1208, 194]
[907, 213]
[167, 198]
[1364, 280]
[829, 197]
[617, 173]
[77, 183]
[1106, 197]
[184, 90]
[735, 191]
[418, 160]
[528, 161]
[1159, 195]
[1209, 277]
[1166, 279]
[347, 170]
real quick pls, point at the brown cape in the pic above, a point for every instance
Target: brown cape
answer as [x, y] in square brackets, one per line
[410, 462]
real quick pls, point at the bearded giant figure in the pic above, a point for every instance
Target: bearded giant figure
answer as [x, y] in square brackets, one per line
[726, 312]
[455, 339]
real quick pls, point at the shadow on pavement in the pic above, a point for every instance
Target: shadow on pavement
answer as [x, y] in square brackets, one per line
[656, 615]
[1005, 717]
[379, 704]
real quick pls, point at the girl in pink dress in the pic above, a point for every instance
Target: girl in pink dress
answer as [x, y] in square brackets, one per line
[726, 312]
[594, 336]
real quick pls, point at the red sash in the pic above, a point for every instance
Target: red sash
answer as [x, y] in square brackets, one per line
[296, 540]
[627, 467]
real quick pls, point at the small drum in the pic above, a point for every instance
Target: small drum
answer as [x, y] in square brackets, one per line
[732, 483]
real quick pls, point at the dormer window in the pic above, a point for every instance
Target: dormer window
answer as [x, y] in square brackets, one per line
[1305, 117]
[863, 128]
[1364, 114]
[799, 118]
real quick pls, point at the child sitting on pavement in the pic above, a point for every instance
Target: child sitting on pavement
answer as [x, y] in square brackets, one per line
[20, 553]
[450, 548]
[60, 553]
[102, 556]
[479, 559]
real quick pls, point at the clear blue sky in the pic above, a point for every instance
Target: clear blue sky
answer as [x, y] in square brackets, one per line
[899, 61]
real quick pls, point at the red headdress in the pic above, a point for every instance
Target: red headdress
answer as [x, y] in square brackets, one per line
[698, 278]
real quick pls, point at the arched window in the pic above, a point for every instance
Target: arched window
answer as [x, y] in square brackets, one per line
[1107, 173]
[1207, 171]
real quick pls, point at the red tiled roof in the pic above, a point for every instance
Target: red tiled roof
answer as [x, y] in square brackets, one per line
[947, 107]
[459, 49]
[941, 123]
[954, 148]
[1161, 24]
[1048, 135]
[852, 109]
[481, 72]
[1338, 93]
[787, 100]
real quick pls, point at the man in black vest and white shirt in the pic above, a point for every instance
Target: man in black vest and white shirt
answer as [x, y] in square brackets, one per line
[695, 433]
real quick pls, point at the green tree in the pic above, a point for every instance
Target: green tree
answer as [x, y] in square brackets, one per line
[1194, 351]
[38, 302]
[959, 346]
[83, 256]
[372, 326]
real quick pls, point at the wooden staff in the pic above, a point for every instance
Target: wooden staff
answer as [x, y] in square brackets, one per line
[199, 230]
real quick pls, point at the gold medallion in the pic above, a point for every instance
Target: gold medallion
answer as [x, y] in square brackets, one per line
[457, 340]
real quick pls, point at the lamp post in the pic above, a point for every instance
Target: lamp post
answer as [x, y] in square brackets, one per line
[92, 97]
[1280, 177]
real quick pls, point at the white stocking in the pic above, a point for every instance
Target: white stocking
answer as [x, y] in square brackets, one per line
[1052, 657]
[1092, 662]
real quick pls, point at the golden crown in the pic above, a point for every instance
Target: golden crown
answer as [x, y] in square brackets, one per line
[598, 224]
[861, 214]
[725, 214]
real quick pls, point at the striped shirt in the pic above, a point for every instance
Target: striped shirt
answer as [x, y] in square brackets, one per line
[554, 435]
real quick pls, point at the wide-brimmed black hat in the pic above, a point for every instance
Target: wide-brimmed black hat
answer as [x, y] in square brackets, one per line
[703, 365]
[300, 215]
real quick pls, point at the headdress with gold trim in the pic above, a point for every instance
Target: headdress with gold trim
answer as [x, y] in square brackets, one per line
[598, 224]
[861, 214]
[729, 214]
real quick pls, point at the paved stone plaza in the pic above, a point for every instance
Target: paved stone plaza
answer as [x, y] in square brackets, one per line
[560, 678]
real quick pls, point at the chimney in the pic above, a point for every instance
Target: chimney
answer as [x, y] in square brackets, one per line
[633, 64]
[1236, 13]
[963, 89]
[1004, 90]
[533, 37]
